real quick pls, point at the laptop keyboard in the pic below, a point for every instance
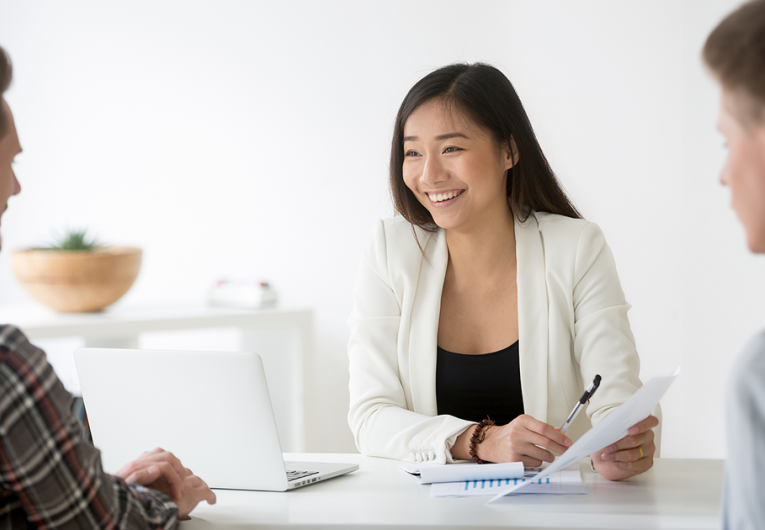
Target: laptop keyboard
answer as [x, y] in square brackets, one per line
[295, 475]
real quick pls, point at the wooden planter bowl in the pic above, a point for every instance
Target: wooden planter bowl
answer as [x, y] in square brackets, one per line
[77, 281]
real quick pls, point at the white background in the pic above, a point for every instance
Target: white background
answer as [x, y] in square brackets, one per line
[251, 139]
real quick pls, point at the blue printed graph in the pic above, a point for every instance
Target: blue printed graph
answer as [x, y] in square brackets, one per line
[498, 483]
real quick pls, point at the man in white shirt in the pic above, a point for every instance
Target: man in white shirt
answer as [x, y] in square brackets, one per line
[735, 54]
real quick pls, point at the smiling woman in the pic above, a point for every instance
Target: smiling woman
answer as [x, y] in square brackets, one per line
[486, 101]
[484, 310]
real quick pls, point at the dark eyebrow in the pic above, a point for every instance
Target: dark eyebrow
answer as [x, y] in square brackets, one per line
[441, 137]
[452, 135]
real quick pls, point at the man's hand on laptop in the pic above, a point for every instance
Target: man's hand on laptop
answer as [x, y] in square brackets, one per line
[156, 466]
[195, 491]
[161, 470]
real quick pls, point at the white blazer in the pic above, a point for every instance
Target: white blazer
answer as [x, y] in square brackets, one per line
[572, 321]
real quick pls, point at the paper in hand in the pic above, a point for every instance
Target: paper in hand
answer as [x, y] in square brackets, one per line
[610, 430]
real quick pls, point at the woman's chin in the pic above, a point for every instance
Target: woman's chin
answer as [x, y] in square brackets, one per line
[447, 223]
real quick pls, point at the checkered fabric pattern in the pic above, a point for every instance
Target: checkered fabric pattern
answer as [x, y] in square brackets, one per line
[49, 476]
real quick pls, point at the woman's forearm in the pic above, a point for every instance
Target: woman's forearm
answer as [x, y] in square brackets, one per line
[461, 448]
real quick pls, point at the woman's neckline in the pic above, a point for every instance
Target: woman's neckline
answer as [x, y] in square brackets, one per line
[503, 350]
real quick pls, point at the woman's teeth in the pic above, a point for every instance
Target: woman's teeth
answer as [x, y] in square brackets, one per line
[439, 197]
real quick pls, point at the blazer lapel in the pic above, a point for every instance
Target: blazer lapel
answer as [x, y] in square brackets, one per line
[423, 336]
[533, 317]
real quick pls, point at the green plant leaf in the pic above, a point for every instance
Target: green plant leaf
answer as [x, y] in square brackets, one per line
[74, 240]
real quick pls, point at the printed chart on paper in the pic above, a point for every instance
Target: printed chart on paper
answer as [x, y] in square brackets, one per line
[564, 482]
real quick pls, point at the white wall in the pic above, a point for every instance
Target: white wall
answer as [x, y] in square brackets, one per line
[251, 139]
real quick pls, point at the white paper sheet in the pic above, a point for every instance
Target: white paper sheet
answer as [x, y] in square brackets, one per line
[427, 473]
[610, 430]
[565, 482]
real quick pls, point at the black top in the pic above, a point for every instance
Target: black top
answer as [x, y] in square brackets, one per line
[471, 387]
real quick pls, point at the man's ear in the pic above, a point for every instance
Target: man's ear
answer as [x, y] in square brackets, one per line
[510, 154]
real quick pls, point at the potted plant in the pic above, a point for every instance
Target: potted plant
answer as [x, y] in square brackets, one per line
[77, 274]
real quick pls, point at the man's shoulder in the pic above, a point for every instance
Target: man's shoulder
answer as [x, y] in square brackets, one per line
[752, 357]
[13, 343]
[748, 373]
[11, 337]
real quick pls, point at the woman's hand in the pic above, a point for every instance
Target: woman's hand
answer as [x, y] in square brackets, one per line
[522, 440]
[631, 455]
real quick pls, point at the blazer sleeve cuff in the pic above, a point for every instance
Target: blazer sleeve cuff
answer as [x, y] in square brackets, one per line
[450, 443]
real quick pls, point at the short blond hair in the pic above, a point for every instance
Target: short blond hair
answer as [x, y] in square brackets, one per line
[735, 53]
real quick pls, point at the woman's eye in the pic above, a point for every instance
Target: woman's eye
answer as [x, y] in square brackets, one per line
[411, 153]
[452, 149]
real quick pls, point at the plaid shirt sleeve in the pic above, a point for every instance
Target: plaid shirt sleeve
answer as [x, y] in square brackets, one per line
[49, 476]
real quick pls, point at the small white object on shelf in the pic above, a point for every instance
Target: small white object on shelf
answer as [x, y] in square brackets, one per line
[242, 294]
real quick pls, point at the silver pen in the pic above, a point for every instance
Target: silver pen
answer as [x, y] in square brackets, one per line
[584, 399]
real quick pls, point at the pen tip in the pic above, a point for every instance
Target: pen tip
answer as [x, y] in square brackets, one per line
[597, 380]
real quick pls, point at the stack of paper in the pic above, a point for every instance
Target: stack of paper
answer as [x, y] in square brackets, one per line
[426, 473]
[565, 482]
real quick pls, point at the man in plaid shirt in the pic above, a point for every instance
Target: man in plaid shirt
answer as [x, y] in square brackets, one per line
[50, 477]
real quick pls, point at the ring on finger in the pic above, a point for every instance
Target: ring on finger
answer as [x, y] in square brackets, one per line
[641, 452]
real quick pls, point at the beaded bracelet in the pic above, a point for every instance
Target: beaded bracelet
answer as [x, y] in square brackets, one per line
[479, 435]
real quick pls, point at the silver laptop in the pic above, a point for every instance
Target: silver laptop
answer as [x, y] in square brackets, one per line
[211, 409]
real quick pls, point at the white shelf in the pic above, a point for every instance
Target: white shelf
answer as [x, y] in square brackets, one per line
[281, 336]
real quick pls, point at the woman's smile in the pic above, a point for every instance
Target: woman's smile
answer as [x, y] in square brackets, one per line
[444, 198]
[445, 154]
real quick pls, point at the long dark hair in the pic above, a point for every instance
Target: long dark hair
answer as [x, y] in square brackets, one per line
[6, 74]
[488, 97]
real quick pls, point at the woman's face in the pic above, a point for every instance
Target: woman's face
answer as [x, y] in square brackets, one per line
[744, 171]
[454, 168]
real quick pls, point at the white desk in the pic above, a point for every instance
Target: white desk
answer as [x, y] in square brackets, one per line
[675, 494]
[285, 361]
